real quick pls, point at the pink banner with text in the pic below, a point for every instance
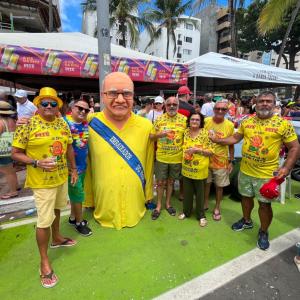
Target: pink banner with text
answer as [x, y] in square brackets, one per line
[38, 61]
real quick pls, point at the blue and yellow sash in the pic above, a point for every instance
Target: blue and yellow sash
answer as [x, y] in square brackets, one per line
[120, 147]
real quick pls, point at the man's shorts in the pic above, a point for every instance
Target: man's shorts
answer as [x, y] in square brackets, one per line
[220, 177]
[249, 187]
[76, 192]
[165, 171]
[46, 200]
[5, 161]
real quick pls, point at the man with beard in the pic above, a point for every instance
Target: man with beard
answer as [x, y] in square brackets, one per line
[169, 129]
[263, 136]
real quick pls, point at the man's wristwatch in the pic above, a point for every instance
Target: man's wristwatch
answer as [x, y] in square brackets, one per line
[35, 163]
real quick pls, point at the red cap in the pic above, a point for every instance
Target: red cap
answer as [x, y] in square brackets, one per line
[184, 90]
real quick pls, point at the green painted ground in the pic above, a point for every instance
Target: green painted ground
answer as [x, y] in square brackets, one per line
[134, 263]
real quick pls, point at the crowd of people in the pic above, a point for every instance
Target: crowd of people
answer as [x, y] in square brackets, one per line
[111, 160]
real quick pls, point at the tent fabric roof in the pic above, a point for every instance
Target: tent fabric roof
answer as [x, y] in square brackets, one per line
[70, 41]
[222, 72]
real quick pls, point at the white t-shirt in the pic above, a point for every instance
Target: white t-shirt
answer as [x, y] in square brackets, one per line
[207, 109]
[153, 115]
[26, 109]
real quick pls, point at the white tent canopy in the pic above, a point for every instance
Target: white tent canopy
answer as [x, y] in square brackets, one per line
[69, 41]
[216, 71]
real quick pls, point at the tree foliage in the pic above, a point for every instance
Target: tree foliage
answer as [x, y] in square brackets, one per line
[250, 40]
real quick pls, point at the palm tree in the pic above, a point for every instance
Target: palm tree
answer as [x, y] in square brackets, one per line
[271, 18]
[124, 14]
[166, 14]
[232, 6]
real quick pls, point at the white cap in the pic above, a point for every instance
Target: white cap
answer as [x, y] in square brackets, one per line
[159, 99]
[21, 94]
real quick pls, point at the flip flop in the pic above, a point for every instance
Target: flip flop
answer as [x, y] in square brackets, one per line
[216, 215]
[171, 210]
[155, 214]
[9, 196]
[48, 280]
[66, 243]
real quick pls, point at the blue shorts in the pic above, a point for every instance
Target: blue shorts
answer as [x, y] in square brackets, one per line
[4, 161]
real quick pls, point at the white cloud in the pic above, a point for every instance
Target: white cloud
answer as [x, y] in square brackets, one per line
[71, 14]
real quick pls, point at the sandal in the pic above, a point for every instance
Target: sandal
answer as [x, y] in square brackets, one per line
[203, 222]
[9, 196]
[66, 243]
[155, 214]
[48, 280]
[216, 215]
[171, 210]
[182, 216]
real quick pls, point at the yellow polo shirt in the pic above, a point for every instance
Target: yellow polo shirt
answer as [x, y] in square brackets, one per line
[263, 139]
[169, 148]
[42, 139]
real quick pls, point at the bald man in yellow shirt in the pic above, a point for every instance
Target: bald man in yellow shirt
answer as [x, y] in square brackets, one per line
[121, 155]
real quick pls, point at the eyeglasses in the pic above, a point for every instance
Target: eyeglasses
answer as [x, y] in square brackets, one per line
[171, 104]
[46, 103]
[127, 95]
[85, 110]
[220, 108]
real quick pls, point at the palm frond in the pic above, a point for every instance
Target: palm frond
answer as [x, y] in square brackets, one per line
[273, 13]
[154, 37]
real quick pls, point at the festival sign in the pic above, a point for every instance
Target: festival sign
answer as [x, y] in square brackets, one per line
[37, 61]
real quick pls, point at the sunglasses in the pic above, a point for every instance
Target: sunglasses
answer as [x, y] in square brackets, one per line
[220, 108]
[172, 104]
[46, 103]
[85, 110]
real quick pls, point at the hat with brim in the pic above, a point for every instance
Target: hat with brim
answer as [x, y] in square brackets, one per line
[47, 93]
[291, 103]
[6, 108]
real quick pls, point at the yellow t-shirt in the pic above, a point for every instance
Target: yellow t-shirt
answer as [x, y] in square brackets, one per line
[111, 186]
[169, 148]
[41, 139]
[196, 166]
[225, 129]
[262, 142]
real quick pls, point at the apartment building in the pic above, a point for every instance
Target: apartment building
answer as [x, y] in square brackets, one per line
[89, 27]
[28, 16]
[187, 35]
[224, 32]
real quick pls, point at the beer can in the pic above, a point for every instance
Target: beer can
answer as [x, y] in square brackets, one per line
[88, 64]
[50, 60]
[56, 65]
[126, 69]
[149, 70]
[122, 64]
[6, 55]
[153, 73]
[13, 62]
[93, 68]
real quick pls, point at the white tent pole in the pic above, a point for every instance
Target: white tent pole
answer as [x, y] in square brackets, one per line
[195, 89]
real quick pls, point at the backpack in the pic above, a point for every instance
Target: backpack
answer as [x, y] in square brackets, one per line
[6, 139]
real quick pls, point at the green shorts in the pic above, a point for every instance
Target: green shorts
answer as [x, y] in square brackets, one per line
[76, 192]
[249, 187]
[165, 171]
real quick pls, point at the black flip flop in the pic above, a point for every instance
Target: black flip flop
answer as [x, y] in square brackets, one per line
[171, 210]
[155, 214]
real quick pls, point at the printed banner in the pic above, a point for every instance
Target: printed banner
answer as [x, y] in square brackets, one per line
[39, 61]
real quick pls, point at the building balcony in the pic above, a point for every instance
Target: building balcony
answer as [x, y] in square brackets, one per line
[225, 38]
[221, 13]
[227, 50]
[223, 25]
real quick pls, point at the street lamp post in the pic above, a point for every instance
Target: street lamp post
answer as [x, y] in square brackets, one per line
[103, 30]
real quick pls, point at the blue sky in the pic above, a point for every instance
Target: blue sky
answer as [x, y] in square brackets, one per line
[71, 14]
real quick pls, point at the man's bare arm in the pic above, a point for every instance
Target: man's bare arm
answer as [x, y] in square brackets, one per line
[293, 155]
[231, 140]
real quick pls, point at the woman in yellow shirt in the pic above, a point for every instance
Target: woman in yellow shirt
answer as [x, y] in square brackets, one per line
[197, 147]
